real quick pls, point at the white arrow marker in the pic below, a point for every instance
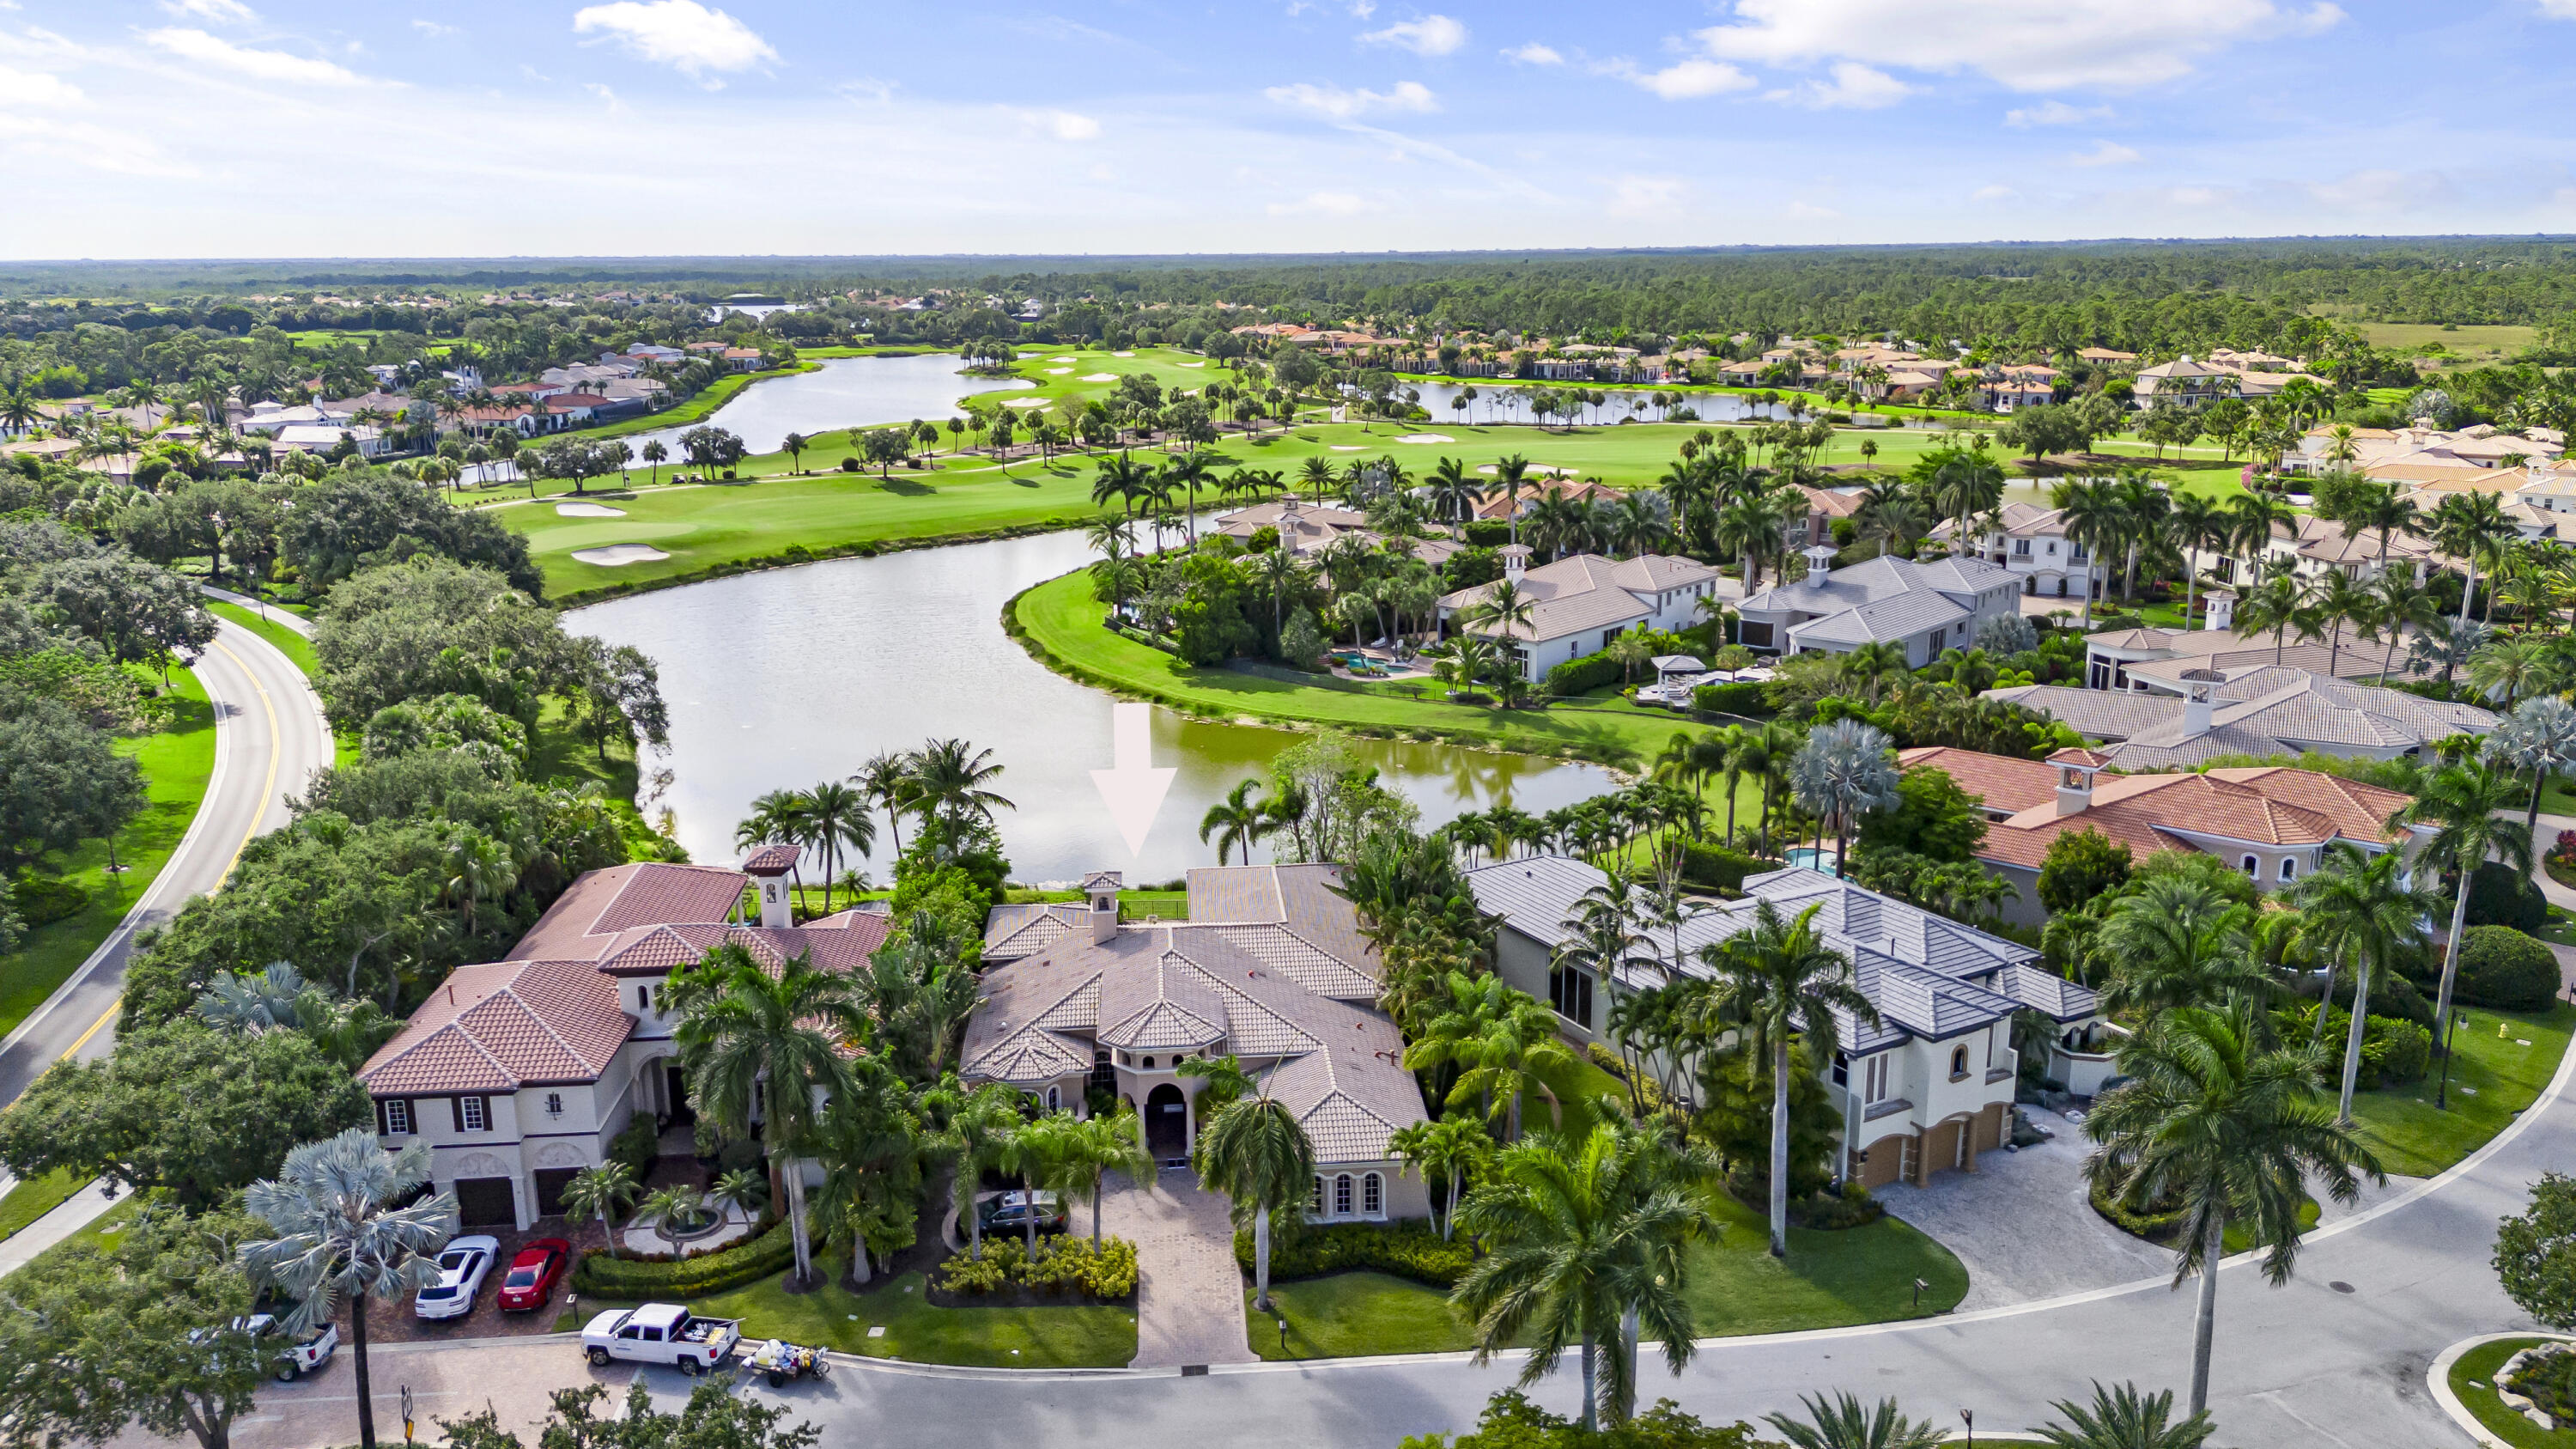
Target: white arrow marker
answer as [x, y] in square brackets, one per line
[1134, 790]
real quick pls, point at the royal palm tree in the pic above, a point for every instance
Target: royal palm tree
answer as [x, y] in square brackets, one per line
[2354, 907]
[1449, 1149]
[1257, 1153]
[347, 1225]
[1844, 770]
[1509, 474]
[2469, 807]
[836, 818]
[2398, 604]
[2274, 606]
[602, 1193]
[2231, 1131]
[2192, 522]
[1586, 1243]
[1235, 821]
[1779, 985]
[2469, 527]
[757, 1048]
[2094, 520]
[1842, 1423]
[2337, 600]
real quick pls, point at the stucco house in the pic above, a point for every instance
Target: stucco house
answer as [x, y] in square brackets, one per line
[2030, 543]
[518, 1073]
[1582, 602]
[2183, 712]
[1928, 607]
[1926, 1090]
[1269, 968]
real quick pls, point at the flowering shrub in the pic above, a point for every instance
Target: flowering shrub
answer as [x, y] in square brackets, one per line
[2564, 852]
[1065, 1266]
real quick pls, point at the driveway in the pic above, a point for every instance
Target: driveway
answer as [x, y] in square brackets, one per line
[1189, 1293]
[2022, 1226]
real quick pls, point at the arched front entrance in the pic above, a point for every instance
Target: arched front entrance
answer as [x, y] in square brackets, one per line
[1167, 1124]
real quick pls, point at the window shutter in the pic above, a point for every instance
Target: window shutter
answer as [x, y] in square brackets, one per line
[456, 1110]
[383, 1126]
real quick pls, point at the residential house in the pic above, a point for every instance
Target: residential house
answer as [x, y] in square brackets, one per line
[518, 1073]
[323, 437]
[1927, 1089]
[1582, 602]
[2182, 712]
[2185, 383]
[1305, 528]
[2111, 656]
[2031, 543]
[1269, 968]
[2271, 822]
[2002, 389]
[1928, 607]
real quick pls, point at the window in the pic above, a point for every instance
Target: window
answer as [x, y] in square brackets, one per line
[1342, 1196]
[2289, 870]
[554, 1104]
[1569, 990]
[1315, 1204]
[1874, 1075]
[1052, 1103]
[2253, 868]
[1373, 1195]
[473, 1114]
[1842, 1069]
[643, 998]
[1149, 1064]
[1103, 1074]
[2021, 548]
[1958, 1063]
[397, 1115]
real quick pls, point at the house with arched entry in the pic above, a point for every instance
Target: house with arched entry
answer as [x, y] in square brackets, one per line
[518, 1073]
[1085, 1012]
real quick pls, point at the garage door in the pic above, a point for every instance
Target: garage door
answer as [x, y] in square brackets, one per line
[550, 1186]
[1883, 1161]
[483, 1202]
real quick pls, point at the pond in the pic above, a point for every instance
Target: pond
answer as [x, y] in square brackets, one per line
[1506, 402]
[787, 678]
[844, 392]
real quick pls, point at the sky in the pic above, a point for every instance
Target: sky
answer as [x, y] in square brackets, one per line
[285, 128]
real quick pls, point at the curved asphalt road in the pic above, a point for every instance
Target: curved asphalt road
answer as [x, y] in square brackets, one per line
[269, 739]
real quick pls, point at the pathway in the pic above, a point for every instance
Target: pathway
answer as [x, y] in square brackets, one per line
[67, 1217]
[292, 622]
[1189, 1292]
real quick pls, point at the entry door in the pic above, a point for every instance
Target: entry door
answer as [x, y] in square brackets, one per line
[676, 1085]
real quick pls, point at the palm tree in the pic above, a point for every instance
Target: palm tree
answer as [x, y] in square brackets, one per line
[886, 780]
[2191, 521]
[1449, 1149]
[1778, 982]
[2354, 906]
[1497, 1038]
[794, 446]
[1235, 822]
[1085, 1150]
[2398, 604]
[667, 1206]
[836, 816]
[2274, 606]
[1964, 484]
[601, 1192]
[339, 1232]
[2123, 1418]
[2232, 1131]
[1841, 1423]
[1509, 474]
[2337, 601]
[950, 776]
[2176, 943]
[1844, 770]
[654, 453]
[479, 870]
[2094, 520]
[2468, 526]
[2469, 807]
[1604, 939]
[1586, 1242]
[1453, 492]
[2539, 736]
[757, 1048]
[980, 1126]
[1257, 1153]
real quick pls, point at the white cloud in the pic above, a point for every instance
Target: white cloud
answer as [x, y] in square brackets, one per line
[1342, 105]
[1537, 54]
[37, 90]
[1855, 87]
[682, 34]
[84, 147]
[1320, 203]
[1430, 35]
[1688, 79]
[2055, 113]
[434, 30]
[2118, 44]
[2385, 190]
[1634, 195]
[1363, 9]
[1063, 125]
[2558, 9]
[266, 65]
[221, 12]
[1993, 193]
[2104, 153]
[866, 89]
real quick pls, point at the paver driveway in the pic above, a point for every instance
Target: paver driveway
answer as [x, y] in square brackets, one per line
[1189, 1294]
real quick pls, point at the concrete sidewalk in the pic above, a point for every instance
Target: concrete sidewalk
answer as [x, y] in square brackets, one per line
[68, 1217]
[293, 623]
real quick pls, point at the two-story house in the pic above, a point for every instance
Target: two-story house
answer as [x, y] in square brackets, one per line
[1582, 602]
[2030, 542]
[1927, 607]
[518, 1073]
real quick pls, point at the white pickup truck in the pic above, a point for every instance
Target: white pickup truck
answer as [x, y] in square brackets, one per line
[664, 1333]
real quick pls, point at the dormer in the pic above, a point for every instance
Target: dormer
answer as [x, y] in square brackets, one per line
[1820, 559]
[2200, 701]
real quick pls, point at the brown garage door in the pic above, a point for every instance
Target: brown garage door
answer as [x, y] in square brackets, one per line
[550, 1183]
[1883, 1161]
[483, 1202]
[1940, 1149]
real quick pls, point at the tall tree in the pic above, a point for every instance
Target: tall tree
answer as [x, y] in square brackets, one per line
[2354, 907]
[1257, 1153]
[1842, 771]
[2468, 807]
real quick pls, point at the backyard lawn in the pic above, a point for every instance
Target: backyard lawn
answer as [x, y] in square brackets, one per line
[2493, 1078]
[837, 1317]
[177, 761]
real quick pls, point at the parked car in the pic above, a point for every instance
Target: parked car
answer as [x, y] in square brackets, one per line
[663, 1333]
[533, 1274]
[1010, 1212]
[462, 1265]
[296, 1356]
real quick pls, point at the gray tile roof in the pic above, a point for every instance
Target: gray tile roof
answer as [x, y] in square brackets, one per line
[2259, 710]
[1587, 591]
[1900, 617]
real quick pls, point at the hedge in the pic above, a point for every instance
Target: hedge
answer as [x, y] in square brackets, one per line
[1745, 699]
[1405, 1250]
[2501, 896]
[1489, 532]
[1582, 676]
[2150, 1224]
[1069, 1268]
[2501, 967]
[1715, 867]
[639, 1280]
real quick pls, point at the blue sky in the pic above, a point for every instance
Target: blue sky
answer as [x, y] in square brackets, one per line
[174, 128]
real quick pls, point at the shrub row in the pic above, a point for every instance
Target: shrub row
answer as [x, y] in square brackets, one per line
[1071, 1267]
[1715, 867]
[2152, 1223]
[1582, 676]
[2394, 1051]
[664, 1279]
[1743, 698]
[1406, 1250]
[2502, 967]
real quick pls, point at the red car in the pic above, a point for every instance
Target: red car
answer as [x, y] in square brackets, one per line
[533, 1274]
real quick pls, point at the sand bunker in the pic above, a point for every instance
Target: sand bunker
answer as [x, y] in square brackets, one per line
[619, 553]
[1426, 438]
[1193, 364]
[1101, 377]
[589, 510]
[1059, 359]
[1122, 354]
[1025, 402]
[1348, 448]
[1058, 371]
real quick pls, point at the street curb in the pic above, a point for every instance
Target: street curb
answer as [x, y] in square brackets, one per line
[2438, 1379]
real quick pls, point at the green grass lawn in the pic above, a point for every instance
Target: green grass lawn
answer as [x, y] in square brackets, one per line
[299, 651]
[2473, 1380]
[176, 761]
[1829, 1280]
[31, 1200]
[1137, 905]
[837, 1317]
[2492, 1079]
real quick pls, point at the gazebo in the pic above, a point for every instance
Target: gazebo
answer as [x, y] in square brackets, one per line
[1668, 665]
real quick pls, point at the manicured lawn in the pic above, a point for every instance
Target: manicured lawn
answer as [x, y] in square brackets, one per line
[176, 761]
[1829, 1280]
[1137, 905]
[289, 643]
[101, 1231]
[29, 1201]
[2492, 1079]
[2473, 1379]
[836, 1317]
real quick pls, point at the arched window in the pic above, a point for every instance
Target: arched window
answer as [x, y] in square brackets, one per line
[1342, 1196]
[2253, 868]
[1315, 1204]
[1958, 1063]
[1149, 1064]
[1052, 1103]
[1373, 1194]
[2289, 870]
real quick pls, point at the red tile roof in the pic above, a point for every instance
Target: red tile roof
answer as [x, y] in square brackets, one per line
[605, 902]
[2003, 782]
[771, 860]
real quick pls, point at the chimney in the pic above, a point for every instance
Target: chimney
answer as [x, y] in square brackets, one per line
[2222, 611]
[768, 868]
[1820, 560]
[1515, 560]
[2075, 771]
[2200, 703]
[1100, 891]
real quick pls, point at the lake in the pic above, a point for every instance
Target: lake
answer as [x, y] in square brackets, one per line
[1505, 402]
[786, 678]
[844, 392]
